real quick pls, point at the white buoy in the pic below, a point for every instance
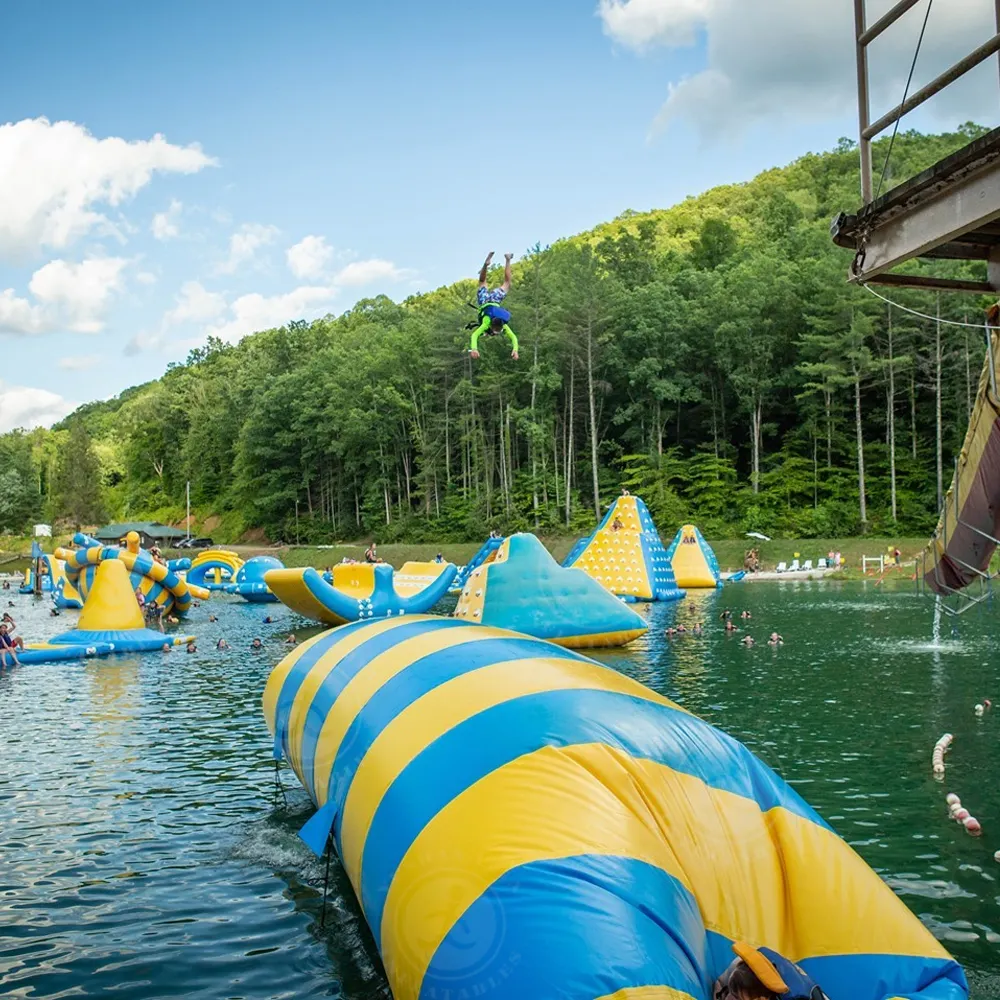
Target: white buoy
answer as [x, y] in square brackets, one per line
[979, 710]
[952, 799]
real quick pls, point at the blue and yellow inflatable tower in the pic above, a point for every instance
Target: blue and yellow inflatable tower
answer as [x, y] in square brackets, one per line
[625, 555]
[694, 564]
[520, 822]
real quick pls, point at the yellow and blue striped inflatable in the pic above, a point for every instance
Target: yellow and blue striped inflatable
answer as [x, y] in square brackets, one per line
[521, 822]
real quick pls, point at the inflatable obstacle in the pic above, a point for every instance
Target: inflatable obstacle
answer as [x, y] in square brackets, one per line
[52, 572]
[693, 561]
[214, 568]
[249, 580]
[358, 591]
[110, 622]
[485, 555]
[159, 583]
[512, 814]
[625, 555]
[524, 589]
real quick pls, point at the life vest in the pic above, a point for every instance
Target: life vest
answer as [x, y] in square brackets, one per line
[492, 311]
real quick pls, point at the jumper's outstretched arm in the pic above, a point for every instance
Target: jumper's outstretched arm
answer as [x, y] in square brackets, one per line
[480, 331]
[512, 337]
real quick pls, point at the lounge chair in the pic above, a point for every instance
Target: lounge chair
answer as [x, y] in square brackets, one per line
[795, 567]
[808, 565]
[821, 564]
[782, 568]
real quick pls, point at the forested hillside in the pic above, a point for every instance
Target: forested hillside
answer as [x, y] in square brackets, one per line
[710, 356]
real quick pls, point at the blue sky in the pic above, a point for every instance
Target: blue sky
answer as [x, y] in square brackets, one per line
[391, 144]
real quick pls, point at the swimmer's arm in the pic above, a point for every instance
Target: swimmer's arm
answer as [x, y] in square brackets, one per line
[512, 337]
[476, 334]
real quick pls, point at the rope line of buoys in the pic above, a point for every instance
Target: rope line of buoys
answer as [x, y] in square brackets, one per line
[942, 746]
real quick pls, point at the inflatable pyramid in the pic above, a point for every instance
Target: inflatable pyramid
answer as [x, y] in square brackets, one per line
[625, 555]
[525, 590]
[693, 561]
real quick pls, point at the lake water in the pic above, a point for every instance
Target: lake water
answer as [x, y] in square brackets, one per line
[143, 850]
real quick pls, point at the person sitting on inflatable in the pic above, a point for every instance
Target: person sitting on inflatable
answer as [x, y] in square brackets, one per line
[763, 974]
[493, 318]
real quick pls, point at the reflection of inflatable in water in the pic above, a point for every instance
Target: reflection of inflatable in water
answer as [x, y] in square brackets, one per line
[626, 556]
[214, 568]
[524, 589]
[485, 555]
[249, 581]
[512, 814]
[110, 622]
[52, 573]
[693, 561]
[358, 591]
[159, 583]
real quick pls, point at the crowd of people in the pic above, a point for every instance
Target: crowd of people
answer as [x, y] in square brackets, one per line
[729, 627]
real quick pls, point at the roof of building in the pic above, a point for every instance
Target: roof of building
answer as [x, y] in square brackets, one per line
[151, 528]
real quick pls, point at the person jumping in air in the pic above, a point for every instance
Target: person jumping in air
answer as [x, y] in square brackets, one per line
[493, 318]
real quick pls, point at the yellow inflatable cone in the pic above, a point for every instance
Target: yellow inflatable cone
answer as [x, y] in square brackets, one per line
[111, 603]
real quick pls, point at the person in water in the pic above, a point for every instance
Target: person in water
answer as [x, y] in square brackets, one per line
[775, 640]
[730, 627]
[291, 640]
[222, 644]
[726, 615]
[192, 648]
[745, 614]
[256, 644]
[165, 648]
[763, 974]
[493, 318]
[747, 640]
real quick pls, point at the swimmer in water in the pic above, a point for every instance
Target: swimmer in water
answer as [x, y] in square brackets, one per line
[165, 648]
[171, 620]
[698, 629]
[730, 627]
[222, 644]
[747, 640]
[268, 620]
[291, 640]
[192, 648]
[671, 632]
[256, 644]
[726, 615]
[212, 618]
[681, 629]
[775, 640]
[745, 614]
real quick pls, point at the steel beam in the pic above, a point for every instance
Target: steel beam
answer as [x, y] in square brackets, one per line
[864, 104]
[887, 20]
[970, 62]
[957, 209]
[925, 283]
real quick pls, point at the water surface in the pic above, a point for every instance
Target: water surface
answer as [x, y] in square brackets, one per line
[144, 849]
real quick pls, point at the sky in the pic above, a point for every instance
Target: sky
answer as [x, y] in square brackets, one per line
[176, 171]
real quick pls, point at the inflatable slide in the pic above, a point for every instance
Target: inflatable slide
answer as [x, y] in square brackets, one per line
[693, 561]
[625, 555]
[213, 569]
[520, 822]
[524, 589]
[53, 570]
[159, 583]
[357, 591]
[485, 555]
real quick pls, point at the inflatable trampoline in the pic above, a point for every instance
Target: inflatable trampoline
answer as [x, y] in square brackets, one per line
[520, 822]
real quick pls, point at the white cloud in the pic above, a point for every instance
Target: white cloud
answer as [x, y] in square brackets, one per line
[195, 304]
[254, 312]
[21, 406]
[365, 272]
[309, 258]
[244, 244]
[164, 225]
[794, 59]
[640, 24]
[80, 363]
[54, 175]
[67, 296]
[146, 278]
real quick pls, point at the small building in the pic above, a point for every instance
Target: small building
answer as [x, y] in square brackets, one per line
[150, 533]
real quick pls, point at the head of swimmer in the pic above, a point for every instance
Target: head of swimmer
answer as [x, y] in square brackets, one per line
[739, 982]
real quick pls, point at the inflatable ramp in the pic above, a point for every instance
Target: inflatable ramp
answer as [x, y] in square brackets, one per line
[521, 823]
[625, 555]
[524, 589]
[693, 561]
[357, 591]
[967, 532]
[485, 555]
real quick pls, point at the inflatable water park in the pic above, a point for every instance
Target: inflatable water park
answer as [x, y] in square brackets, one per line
[249, 582]
[693, 561]
[493, 795]
[626, 555]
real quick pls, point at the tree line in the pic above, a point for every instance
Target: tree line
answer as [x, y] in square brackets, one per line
[711, 357]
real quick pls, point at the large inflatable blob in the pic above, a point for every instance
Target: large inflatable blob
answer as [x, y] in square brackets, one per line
[159, 583]
[625, 555]
[520, 822]
[249, 582]
[214, 568]
[110, 622]
[524, 589]
[693, 561]
[485, 555]
[359, 591]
